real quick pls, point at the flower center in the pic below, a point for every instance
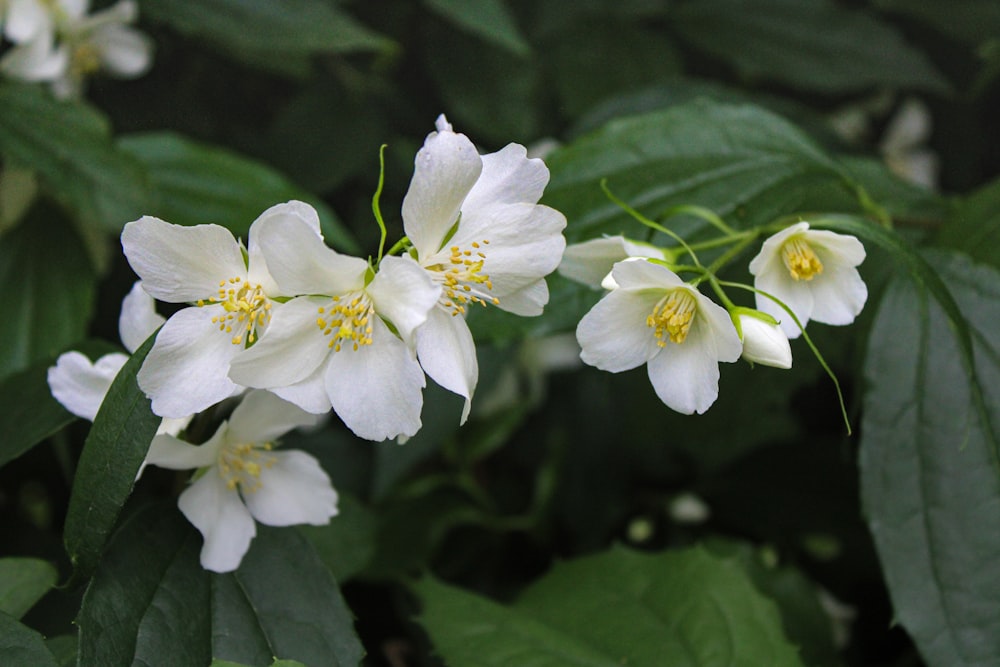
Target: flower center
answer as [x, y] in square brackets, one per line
[672, 315]
[240, 465]
[85, 59]
[800, 259]
[462, 278]
[348, 320]
[247, 309]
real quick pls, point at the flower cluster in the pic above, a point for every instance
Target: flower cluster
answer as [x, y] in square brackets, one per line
[59, 43]
[651, 316]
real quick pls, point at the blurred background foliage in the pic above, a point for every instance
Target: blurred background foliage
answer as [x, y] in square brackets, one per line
[754, 108]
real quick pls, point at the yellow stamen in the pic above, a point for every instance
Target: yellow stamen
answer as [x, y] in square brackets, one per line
[246, 307]
[673, 315]
[462, 279]
[800, 259]
[241, 465]
[347, 322]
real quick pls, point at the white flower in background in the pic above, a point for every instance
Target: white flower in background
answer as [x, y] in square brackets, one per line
[655, 318]
[590, 262]
[244, 478]
[60, 43]
[346, 343]
[763, 340]
[478, 231]
[904, 144]
[188, 368]
[81, 385]
[813, 272]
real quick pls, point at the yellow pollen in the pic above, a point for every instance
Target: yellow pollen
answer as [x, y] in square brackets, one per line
[347, 322]
[246, 306]
[800, 259]
[241, 465]
[462, 279]
[672, 315]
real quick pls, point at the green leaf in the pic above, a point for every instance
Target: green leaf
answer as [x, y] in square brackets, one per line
[677, 608]
[740, 161]
[972, 21]
[488, 19]
[105, 473]
[814, 45]
[20, 646]
[276, 663]
[975, 226]
[69, 144]
[63, 649]
[347, 543]
[23, 582]
[48, 292]
[260, 29]
[194, 183]
[150, 601]
[929, 468]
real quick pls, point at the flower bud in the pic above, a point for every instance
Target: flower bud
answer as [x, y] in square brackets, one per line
[763, 342]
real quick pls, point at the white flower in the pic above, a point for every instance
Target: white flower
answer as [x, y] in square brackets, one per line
[24, 20]
[478, 231]
[346, 343]
[81, 385]
[244, 479]
[813, 272]
[655, 318]
[763, 340]
[37, 59]
[188, 368]
[590, 262]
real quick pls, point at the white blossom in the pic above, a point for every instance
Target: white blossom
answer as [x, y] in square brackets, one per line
[590, 262]
[813, 272]
[478, 231]
[763, 340]
[243, 479]
[655, 318]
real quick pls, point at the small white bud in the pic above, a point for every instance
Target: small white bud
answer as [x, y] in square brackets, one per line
[764, 343]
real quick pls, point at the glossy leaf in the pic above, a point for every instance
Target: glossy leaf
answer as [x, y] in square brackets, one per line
[194, 183]
[105, 473]
[929, 468]
[973, 21]
[813, 45]
[488, 19]
[48, 292]
[151, 601]
[676, 608]
[23, 582]
[741, 161]
[975, 226]
[20, 646]
[69, 144]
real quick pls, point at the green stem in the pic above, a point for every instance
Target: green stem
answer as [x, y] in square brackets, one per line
[375, 202]
[700, 212]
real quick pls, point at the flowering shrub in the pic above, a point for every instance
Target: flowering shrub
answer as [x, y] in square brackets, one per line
[323, 326]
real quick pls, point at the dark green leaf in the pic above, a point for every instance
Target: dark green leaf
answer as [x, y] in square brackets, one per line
[815, 45]
[929, 468]
[63, 649]
[975, 226]
[196, 184]
[69, 144]
[259, 28]
[151, 602]
[347, 543]
[488, 19]
[48, 292]
[276, 663]
[23, 582]
[20, 646]
[972, 21]
[740, 161]
[105, 473]
[681, 608]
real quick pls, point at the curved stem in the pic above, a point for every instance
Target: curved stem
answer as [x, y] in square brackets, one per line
[375, 201]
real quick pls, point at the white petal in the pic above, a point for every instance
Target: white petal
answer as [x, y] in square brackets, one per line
[36, 60]
[765, 343]
[508, 177]
[167, 451]
[187, 369]
[447, 354]
[257, 271]
[293, 490]
[181, 264]
[291, 349]
[222, 519]
[796, 294]
[769, 250]
[377, 390]
[403, 293]
[263, 417]
[25, 19]
[301, 263]
[309, 394]
[445, 170]
[839, 294]
[614, 335]
[527, 301]
[138, 319]
[645, 275]
[589, 262]
[685, 376]
[173, 426]
[125, 52]
[714, 325]
[79, 385]
[831, 247]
